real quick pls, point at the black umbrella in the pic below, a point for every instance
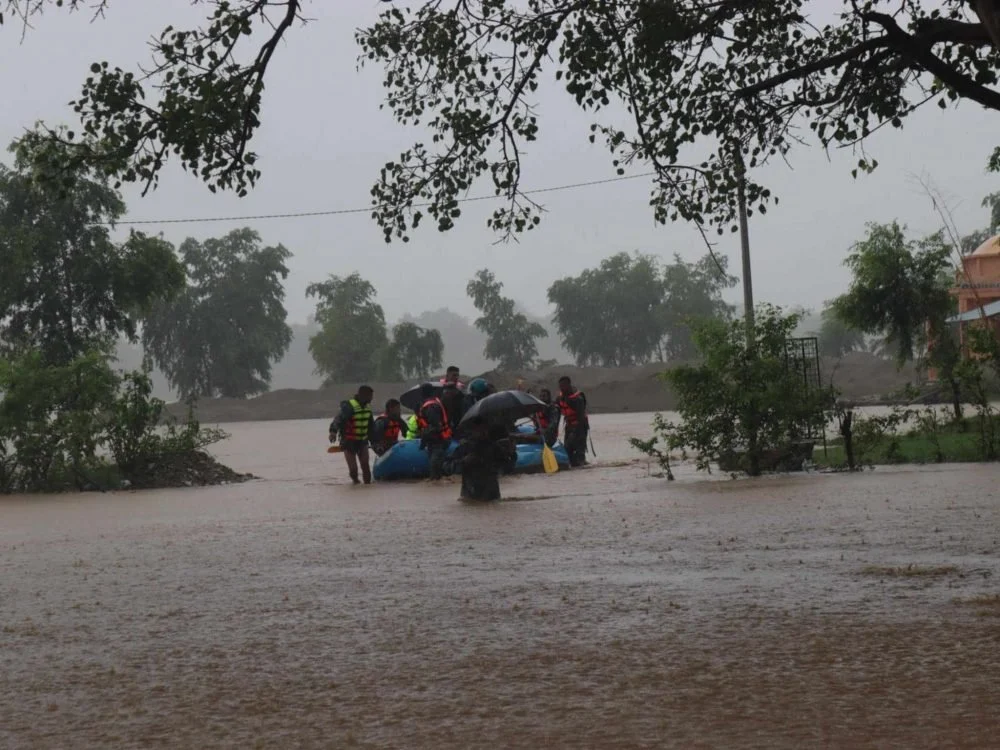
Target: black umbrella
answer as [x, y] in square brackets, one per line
[413, 399]
[505, 406]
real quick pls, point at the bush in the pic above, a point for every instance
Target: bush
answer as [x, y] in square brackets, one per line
[741, 406]
[59, 424]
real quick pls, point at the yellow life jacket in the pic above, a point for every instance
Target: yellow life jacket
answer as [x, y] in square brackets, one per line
[357, 426]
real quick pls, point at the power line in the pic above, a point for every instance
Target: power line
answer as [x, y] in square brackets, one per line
[369, 209]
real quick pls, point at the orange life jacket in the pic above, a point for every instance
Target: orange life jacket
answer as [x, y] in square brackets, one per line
[392, 429]
[572, 416]
[542, 420]
[424, 424]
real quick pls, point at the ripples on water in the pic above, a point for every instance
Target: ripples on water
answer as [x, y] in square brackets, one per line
[612, 610]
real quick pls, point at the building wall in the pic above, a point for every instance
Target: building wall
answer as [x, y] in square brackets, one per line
[980, 284]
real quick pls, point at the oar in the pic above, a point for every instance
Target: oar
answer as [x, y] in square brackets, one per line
[549, 462]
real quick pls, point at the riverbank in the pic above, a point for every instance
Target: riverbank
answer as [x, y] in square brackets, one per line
[861, 378]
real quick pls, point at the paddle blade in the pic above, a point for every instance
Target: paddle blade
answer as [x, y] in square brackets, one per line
[334, 449]
[549, 462]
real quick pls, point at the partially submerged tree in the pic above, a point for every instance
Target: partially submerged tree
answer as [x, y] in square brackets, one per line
[510, 336]
[222, 334]
[737, 408]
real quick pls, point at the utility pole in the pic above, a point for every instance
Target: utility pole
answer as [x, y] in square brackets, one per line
[745, 247]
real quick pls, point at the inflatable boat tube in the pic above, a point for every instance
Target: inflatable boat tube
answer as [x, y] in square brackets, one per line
[405, 460]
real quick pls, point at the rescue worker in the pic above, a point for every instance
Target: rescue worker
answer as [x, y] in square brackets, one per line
[453, 398]
[547, 421]
[389, 427]
[353, 424]
[477, 391]
[412, 428]
[435, 430]
[452, 377]
[573, 406]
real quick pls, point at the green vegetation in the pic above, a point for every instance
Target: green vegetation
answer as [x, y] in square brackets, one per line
[713, 90]
[646, 310]
[68, 419]
[950, 443]
[510, 336]
[745, 404]
[353, 343]
[84, 426]
[220, 335]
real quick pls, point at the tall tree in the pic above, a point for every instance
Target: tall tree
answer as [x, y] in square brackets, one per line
[510, 336]
[225, 330]
[65, 287]
[352, 343]
[836, 338]
[692, 293]
[736, 80]
[417, 351]
[729, 76]
[609, 315]
[898, 288]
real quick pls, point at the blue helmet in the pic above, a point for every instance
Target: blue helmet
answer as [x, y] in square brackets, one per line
[478, 387]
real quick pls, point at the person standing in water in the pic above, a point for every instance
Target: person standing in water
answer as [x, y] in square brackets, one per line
[389, 427]
[573, 405]
[481, 457]
[435, 430]
[354, 423]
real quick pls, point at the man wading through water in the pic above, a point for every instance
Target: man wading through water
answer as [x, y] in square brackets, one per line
[354, 423]
[573, 405]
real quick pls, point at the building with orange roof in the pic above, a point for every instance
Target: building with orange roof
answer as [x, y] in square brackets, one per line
[977, 290]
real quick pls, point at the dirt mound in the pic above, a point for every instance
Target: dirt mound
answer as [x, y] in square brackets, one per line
[194, 469]
[858, 376]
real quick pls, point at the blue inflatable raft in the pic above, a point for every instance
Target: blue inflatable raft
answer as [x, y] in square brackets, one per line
[405, 460]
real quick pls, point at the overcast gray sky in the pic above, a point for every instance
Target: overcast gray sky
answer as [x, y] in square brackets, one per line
[324, 139]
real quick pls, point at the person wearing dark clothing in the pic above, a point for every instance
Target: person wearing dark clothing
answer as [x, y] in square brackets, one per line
[453, 400]
[505, 434]
[573, 406]
[353, 424]
[435, 429]
[452, 376]
[481, 457]
[475, 392]
[547, 421]
[388, 428]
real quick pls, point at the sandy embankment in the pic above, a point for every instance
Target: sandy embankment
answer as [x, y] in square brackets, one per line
[859, 376]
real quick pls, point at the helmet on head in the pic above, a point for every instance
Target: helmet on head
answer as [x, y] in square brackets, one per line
[478, 387]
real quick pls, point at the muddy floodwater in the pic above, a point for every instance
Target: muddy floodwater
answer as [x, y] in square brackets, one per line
[599, 608]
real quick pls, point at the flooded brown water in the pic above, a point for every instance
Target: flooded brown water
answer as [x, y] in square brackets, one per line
[606, 609]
